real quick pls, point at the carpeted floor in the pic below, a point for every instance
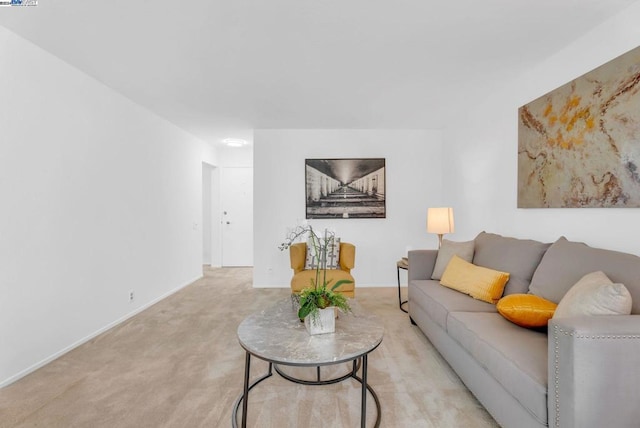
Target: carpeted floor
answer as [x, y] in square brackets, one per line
[178, 364]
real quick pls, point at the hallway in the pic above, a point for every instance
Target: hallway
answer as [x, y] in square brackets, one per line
[347, 202]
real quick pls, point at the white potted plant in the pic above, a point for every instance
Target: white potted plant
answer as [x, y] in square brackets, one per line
[317, 302]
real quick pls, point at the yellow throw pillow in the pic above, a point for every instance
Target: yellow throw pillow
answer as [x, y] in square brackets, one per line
[526, 310]
[479, 282]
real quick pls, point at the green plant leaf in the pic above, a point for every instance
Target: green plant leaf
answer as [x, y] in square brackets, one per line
[304, 311]
[339, 283]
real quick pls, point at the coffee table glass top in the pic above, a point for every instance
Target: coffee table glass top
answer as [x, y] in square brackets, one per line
[276, 334]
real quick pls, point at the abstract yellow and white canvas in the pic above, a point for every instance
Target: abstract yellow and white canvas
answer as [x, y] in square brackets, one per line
[579, 145]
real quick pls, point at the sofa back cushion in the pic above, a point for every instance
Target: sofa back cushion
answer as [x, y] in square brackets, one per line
[566, 262]
[519, 257]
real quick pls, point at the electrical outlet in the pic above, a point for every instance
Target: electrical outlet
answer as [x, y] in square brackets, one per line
[131, 296]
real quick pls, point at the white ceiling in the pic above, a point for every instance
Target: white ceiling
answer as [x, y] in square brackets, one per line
[221, 68]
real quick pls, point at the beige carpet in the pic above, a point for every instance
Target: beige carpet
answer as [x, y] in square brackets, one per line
[178, 364]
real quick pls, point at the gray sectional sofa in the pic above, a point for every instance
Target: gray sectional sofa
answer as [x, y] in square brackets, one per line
[580, 372]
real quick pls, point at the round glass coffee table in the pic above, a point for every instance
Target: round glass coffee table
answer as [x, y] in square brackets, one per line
[277, 336]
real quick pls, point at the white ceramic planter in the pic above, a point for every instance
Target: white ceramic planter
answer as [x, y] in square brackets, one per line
[324, 323]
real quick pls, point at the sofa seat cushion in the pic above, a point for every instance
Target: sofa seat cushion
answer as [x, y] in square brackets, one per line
[516, 357]
[437, 301]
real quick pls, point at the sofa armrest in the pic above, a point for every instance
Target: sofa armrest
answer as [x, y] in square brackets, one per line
[593, 371]
[421, 264]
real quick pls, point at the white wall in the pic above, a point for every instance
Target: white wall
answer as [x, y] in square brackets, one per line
[413, 182]
[235, 157]
[481, 152]
[97, 197]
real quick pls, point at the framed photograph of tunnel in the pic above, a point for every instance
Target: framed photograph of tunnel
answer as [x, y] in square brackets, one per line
[345, 188]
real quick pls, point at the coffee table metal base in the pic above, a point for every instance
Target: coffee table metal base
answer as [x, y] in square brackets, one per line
[357, 363]
[319, 381]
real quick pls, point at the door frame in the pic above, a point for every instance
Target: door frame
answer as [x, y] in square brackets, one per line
[214, 218]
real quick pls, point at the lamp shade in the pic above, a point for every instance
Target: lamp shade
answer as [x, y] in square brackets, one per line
[440, 220]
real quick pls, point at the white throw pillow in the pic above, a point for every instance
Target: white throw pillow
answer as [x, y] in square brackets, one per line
[464, 250]
[333, 255]
[595, 294]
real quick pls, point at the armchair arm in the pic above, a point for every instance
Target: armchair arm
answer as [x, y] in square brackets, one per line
[347, 256]
[593, 371]
[421, 264]
[298, 255]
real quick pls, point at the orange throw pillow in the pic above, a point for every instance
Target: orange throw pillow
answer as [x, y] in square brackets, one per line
[526, 310]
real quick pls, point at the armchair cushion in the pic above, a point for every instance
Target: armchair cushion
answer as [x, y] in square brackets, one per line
[303, 279]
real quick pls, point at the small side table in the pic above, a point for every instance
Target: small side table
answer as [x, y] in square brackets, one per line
[401, 264]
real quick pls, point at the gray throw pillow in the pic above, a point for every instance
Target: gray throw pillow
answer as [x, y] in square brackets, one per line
[464, 250]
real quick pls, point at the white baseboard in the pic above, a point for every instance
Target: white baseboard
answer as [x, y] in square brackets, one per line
[74, 345]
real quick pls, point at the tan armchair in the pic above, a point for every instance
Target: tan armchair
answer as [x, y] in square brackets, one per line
[302, 278]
